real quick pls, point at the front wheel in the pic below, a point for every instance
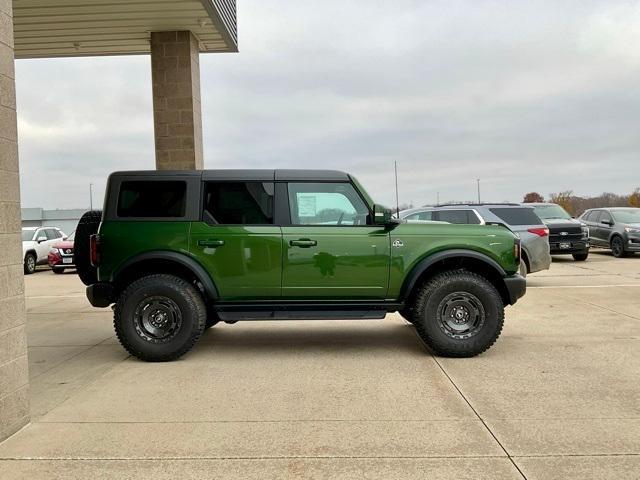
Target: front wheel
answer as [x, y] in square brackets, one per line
[617, 247]
[159, 317]
[459, 314]
[58, 270]
[29, 263]
[580, 257]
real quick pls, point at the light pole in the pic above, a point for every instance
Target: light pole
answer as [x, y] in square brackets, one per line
[91, 196]
[478, 182]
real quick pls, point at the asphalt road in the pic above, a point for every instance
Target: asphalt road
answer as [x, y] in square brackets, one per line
[558, 396]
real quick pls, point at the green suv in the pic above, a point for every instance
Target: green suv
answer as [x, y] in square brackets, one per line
[177, 252]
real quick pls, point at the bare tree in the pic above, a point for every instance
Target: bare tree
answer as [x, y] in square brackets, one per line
[533, 197]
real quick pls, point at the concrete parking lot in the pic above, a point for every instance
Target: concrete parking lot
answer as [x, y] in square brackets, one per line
[558, 396]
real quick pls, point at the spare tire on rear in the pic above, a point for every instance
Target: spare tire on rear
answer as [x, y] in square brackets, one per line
[87, 226]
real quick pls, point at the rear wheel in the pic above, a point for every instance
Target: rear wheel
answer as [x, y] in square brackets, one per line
[459, 314]
[617, 247]
[580, 257]
[159, 317]
[29, 263]
[87, 226]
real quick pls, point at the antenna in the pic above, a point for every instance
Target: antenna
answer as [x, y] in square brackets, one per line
[395, 167]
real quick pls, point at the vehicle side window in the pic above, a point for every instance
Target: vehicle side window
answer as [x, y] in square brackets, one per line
[594, 216]
[152, 199]
[40, 233]
[239, 203]
[326, 204]
[51, 234]
[420, 216]
[460, 217]
[605, 217]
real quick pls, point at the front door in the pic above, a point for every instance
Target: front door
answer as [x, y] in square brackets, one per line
[237, 242]
[330, 252]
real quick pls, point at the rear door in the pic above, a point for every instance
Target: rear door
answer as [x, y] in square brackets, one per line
[331, 251]
[237, 241]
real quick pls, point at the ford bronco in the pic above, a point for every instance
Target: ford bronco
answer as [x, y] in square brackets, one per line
[175, 252]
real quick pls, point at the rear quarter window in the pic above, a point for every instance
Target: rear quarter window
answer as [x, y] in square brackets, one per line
[517, 216]
[152, 199]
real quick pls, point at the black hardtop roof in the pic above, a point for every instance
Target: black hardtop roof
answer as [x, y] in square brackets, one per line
[236, 174]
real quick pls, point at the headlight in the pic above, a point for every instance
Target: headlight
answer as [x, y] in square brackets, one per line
[585, 232]
[631, 230]
[54, 250]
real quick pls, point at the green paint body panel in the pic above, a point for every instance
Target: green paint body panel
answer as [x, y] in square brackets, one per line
[122, 240]
[423, 240]
[247, 266]
[347, 263]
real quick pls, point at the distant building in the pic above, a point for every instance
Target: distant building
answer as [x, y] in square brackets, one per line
[65, 220]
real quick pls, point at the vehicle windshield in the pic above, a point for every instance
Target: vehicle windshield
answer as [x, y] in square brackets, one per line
[27, 235]
[548, 212]
[627, 216]
[72, 237]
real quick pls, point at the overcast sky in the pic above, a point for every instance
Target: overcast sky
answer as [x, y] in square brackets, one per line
[540, 96]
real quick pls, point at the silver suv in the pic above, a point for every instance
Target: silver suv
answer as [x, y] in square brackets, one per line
[523, 220]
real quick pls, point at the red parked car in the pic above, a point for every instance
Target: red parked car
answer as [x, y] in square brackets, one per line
[61, 255]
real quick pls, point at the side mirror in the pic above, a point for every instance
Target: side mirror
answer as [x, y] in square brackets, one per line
[607, 222]
[41, 239]
[381, 215]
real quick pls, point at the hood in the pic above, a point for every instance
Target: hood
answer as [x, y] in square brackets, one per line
[63, 244]
[633, 225]
[562, 222]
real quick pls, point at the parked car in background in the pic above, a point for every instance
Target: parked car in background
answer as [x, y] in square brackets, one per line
[567, 236]
[615, 228]
[36, 243]
[519, 218]
[61, 255]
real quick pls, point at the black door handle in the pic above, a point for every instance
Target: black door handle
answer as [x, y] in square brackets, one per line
[303, 243]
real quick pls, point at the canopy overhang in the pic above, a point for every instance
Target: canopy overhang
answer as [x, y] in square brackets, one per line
[72, 28]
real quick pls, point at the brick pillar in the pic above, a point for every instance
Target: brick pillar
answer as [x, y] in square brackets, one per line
[14, 374]
[175, 71]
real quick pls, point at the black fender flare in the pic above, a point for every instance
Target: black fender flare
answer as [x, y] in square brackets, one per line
[177, 258]
[423, 265]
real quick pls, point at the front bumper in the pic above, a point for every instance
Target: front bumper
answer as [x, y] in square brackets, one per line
[100, 294]
[55, 260]
[633, 243]
[516, 287]
[580, 246]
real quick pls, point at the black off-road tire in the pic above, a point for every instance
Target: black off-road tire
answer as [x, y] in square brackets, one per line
[58, 270]
[429, 311]
[617, 247]
[580, 257]
[30, 263]
[212, 319]
[87, 226]
[408, 313]
[176, 291]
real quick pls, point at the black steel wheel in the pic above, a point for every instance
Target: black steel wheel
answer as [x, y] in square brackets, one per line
[458, 313]
[461, 315]
[617, 247]
[580, 257]
[157, 319]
